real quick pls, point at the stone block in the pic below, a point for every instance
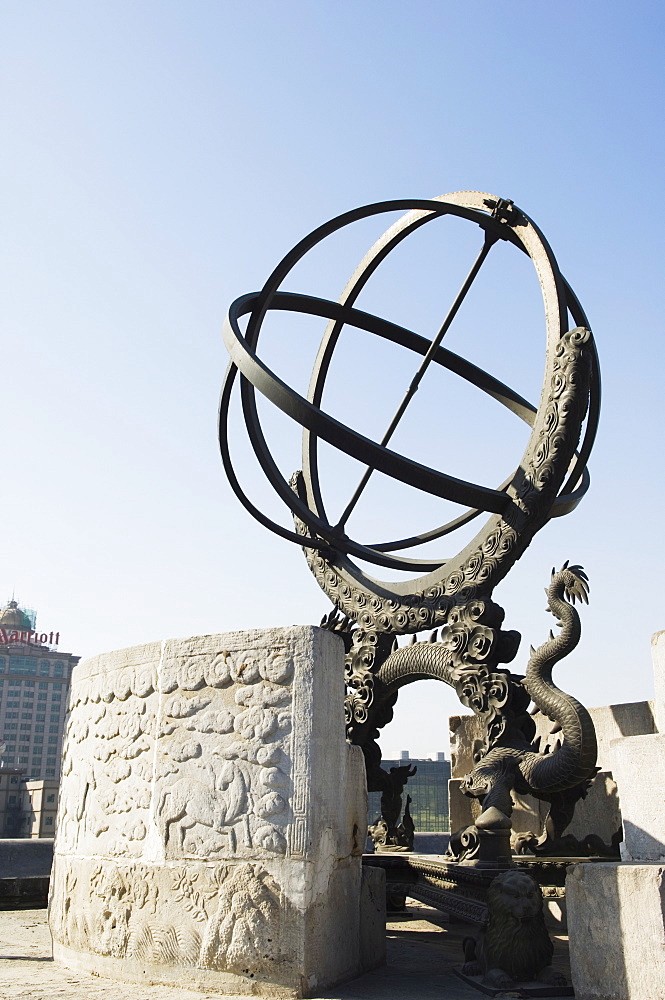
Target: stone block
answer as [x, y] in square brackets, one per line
[614, 722]
[373, 918]
[658, 660]
[599, 812]
[464, 811]
[466, 736]
[212, 816]
[616, 926]
[639, 768]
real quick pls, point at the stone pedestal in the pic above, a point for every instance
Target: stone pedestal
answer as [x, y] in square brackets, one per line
[616, 920]
[639, 769]
[616, 911]
[658, 657]
[212, 818]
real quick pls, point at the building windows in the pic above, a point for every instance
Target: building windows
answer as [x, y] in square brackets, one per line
[9, 760]
[11, 715]
[51, 797]
[11, 748]
[48, 821]
[40, 717]
[43, 668]
[42, 696]
[56, 697]
[12, 704]
[26, 715]
[43, 685]
[26, 726]
[37, 739]
[3, 664]
[429, 794]
[22, 665]
[29, 684]
[50, 772]
[53, 739]
[53, 729]
[23, 760]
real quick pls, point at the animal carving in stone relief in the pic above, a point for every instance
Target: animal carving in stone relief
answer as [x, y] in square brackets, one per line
[74, 813]
[189, 802]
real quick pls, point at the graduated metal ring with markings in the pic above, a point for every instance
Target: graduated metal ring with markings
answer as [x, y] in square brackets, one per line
[549, 481]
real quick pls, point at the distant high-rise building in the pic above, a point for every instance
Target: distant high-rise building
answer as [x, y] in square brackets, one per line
[428, 789]
[34, 686]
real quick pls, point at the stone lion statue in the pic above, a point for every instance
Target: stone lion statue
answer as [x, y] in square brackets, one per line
[514, 945]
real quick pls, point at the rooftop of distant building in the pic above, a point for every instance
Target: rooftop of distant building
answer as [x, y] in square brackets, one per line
[11, 616]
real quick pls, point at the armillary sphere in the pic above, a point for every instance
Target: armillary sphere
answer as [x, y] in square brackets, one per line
[549, 480]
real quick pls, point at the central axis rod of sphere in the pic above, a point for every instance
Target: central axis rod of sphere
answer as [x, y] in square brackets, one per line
[490, 239]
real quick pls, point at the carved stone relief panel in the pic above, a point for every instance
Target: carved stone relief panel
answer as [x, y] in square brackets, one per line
[105, 796]
[223, 751]
[221, 917]
[187, 749]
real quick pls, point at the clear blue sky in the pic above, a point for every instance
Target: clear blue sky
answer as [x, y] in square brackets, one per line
[160, 157]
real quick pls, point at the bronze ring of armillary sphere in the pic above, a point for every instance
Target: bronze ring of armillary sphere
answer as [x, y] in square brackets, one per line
[549, 480]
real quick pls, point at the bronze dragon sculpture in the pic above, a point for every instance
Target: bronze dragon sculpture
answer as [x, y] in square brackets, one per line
[468, 653]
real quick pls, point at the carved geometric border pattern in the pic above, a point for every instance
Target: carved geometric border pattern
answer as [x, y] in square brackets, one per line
[298, 834]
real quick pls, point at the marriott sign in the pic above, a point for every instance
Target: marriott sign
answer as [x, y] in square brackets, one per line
[29, 635]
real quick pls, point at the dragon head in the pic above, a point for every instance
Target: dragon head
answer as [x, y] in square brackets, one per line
[574, 581]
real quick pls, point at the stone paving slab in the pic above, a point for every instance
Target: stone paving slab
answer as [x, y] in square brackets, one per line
[422, 951]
